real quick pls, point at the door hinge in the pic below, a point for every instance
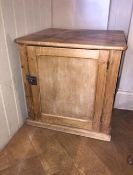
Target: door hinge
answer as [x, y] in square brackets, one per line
[31, 79]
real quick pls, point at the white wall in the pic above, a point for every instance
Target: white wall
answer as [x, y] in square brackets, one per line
[20, 17]
[91, 14]
[17, 18]
[120, 15]
[124, 97]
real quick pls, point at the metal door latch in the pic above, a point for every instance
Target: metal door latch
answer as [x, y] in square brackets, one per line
[31, 79]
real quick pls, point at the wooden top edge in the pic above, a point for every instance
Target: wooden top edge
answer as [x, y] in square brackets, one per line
[69, 45]
[83, 38]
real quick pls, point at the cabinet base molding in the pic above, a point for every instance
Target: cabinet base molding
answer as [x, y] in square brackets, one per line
[71, 130]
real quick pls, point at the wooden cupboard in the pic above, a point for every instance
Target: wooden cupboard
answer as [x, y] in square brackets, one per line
[70, 79]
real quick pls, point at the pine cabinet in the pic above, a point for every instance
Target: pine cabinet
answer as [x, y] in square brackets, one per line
[70, 79]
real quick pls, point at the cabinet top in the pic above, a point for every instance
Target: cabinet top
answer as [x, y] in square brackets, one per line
[83, 38]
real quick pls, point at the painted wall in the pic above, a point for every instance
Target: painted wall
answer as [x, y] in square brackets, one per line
[124, 97]
[17, 18]
[120, 15]
[20, 17]
[90, 14]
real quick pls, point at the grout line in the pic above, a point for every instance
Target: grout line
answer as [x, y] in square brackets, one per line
[3, 103]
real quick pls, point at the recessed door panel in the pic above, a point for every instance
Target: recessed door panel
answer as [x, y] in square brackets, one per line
[67, 86]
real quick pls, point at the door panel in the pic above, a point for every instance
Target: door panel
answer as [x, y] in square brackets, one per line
[70, 86]
[67, 86]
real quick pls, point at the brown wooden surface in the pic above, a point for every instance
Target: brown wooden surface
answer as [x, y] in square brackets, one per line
[112, 74]
[49, 124]
[64, 97]
[75, 78]
[39, 151]
[66, 121]
[35, 89]
[90, 39]
[67, 52]
[25, 71]
[67, 86]
[100, 88]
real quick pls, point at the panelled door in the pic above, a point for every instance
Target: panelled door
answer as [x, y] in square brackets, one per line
[70, 85]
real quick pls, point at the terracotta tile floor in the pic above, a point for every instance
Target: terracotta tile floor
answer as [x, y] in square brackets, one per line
[36, 151]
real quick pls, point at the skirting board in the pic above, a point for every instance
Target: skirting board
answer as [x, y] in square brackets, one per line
[124, 100]
[76, 131]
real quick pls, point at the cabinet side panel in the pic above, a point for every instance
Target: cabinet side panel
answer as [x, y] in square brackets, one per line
[25, 71]
[100, 88]
[112, 74]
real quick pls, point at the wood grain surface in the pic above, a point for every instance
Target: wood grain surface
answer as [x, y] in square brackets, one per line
[39, 151]
[100, 88]
[89, 39]
[112, 73]
[76, 73]
[35, 89]
[67, 86]
[25, 72]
